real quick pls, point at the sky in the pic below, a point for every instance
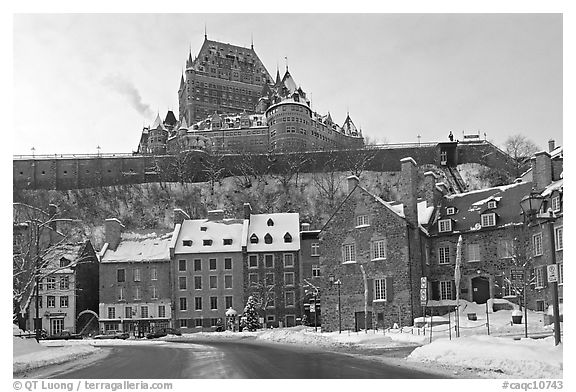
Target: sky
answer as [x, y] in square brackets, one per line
[88, 80]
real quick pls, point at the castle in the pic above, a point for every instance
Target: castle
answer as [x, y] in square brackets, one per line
[228, 102]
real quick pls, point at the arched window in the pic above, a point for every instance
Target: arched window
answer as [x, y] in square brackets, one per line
[253, 239]
[270, 222]
[268, 238]
[287, 237]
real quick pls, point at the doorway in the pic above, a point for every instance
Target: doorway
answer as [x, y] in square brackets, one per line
[480, 289]
[359, 321]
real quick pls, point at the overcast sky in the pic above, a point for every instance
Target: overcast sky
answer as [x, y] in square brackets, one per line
[88, 80]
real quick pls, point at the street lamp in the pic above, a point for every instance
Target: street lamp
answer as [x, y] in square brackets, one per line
[531, 205]
[337, 283]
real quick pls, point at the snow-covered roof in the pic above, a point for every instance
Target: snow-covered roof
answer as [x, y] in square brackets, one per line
[556, 185]
[71, 252]
[281, 223]
[138, 246]
[216, 231]
[424, 212]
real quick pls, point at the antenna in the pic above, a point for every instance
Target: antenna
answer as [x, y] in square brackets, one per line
[205, 31]
[286, 58]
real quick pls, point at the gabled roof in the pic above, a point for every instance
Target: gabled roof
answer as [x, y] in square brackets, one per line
[470, 205]
[282, 223]
[215, 230]
[140, 246]
[71, 252]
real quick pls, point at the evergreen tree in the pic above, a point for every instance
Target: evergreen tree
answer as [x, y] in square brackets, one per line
[251, 316]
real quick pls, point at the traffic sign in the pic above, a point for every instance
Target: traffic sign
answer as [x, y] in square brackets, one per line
[517, 275]
[552, 272]
[423, 282]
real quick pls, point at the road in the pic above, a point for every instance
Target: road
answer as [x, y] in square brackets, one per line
[237, 359]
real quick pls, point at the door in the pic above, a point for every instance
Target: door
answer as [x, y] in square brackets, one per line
[480, 289]
[359, 320]
[56, 326]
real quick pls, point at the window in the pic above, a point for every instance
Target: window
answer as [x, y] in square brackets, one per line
[349, 253]
[252, 278]
[64, 301]
[537, 244]
[227, 241]
[227, 281]
[270, 222]
[289, 298]
[539, 277]
[128, 311]
[228, 300]
[450, 210]
[315, 249]
[137, 292]
[269, 261]
[488, 220]
[287, 238]
[198, 322]
[136, 274]
[473, 252]
[555, 203]
[51, 301]
[154, 273]
[505, 248]
[540, 305]
[270, 279]
[186, 242]
[213, 282]
[253, 261]
[379, 250]
[51, 283]
[444, 255]
[184, 323]
[379, 289]
[197, 265]
[198, 283]
[228, 264]
[161, 311]
[362, 220]
[183, 303]
[444, 225]
[315, 271]
[111, 312]
[214, 303]
[64, 282]
[558, 238]
[197, 303]
[207, 242]
[212, 264]
[268, 238]
[181, 265]
[182, 283]
[289, 278]
[288, 260]
[121, 294]
[446, 289]
[253, 239]
[154, 292]
[121, 275]
[492, 204]
[64, 262]
[560, 273]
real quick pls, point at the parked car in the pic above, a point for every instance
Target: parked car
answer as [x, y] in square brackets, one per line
[63, 335]
[113, 335]
[161, 332]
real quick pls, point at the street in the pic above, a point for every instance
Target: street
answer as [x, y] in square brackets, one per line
[220, 360]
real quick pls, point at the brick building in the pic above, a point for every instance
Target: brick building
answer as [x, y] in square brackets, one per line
[135, 290]
[207, 270]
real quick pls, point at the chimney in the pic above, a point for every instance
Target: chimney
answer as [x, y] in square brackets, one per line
[180, 216]
[305, 226]
[408, 189]
[52, 211]
[112, 231]
[551, 145]
[442, 188]
[247, 211]
[215, 215]
[429, 187]
[352, 183]
[541, 171]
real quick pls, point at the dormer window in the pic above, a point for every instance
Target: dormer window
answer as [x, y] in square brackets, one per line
[450, 210]
[253, 239]
[64, 262]
[555, 203]
[287, 237]
[186, 242]
[362, 221]
[270, 222]
[445, 225]
[268, 238]
[207, 242]
[203, 228]
[492, 204]
[227, 241]
[488, 220]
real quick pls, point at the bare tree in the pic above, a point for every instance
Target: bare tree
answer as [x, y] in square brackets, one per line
[520, 148]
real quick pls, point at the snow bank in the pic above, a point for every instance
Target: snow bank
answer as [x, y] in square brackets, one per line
[50, 356]
[526, 358]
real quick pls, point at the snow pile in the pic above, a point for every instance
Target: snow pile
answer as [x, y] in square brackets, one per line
[526, 358]
[22, 346]
[39, 355]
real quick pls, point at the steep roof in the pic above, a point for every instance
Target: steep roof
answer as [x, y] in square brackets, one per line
[282, 223]
[215, 230]
[170, 118]
[140, 246]
[289, 82]
[348, 127]
[470, 205]
[71, 252]
[157, 122]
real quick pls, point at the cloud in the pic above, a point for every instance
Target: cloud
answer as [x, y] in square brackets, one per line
[124, 87]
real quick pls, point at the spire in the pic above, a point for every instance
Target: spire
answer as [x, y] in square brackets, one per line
[277, 75]
[286, 58]
[252, 41]
[182, 81]
[205, 32]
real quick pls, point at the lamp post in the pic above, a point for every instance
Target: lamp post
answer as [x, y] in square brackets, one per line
[531, 205]
[337, 283]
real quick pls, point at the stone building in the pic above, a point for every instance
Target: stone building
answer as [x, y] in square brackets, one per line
[135, 290]
[207, 270]
[310, 273]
